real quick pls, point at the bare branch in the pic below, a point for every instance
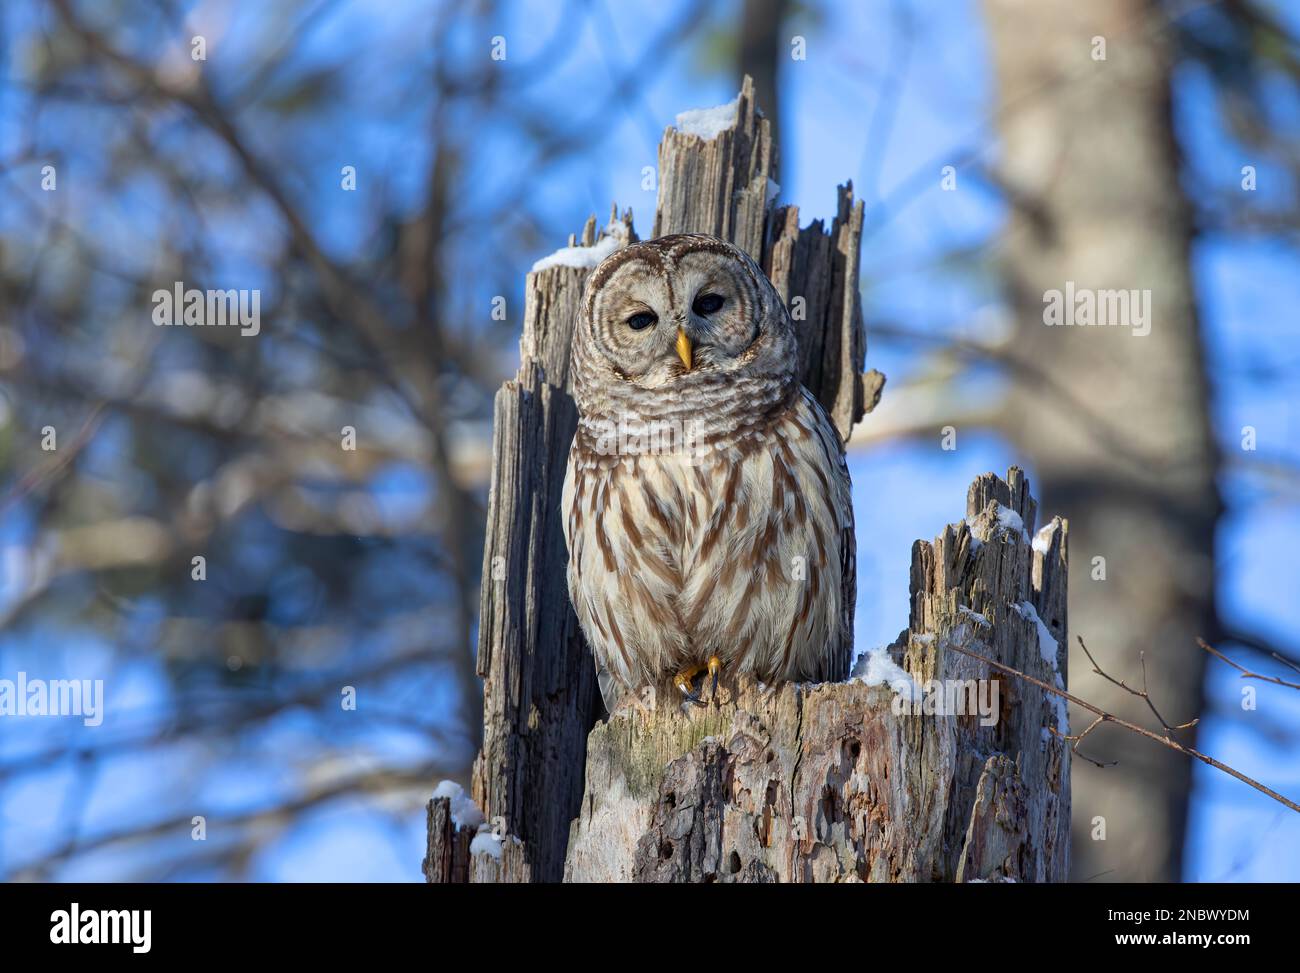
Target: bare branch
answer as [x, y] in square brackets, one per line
[1075, 739]
[1133, 727]
[1142, 695]
[1247, 673]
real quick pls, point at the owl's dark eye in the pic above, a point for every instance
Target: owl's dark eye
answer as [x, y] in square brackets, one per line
[639, 322]
[706, 304]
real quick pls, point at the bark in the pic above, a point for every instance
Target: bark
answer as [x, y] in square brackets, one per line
[792, 783]
[1122, 442]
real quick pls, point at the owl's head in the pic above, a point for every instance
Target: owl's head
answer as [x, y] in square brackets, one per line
[676, 315]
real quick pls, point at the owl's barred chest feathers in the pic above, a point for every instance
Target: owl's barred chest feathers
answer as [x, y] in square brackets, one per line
[736, 552]
[706, 504]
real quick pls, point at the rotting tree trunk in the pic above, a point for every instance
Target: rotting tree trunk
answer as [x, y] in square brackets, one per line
[837, 786]
[1091, 164]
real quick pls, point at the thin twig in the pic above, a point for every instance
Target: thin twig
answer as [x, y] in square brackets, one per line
[1143, 695]
[1140, 730]
[1285, 661]
[1075, 739]
[1247, 673]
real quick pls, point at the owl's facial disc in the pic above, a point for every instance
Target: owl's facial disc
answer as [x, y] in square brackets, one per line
[669, 316]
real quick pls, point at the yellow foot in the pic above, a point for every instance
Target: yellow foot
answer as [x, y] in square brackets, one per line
[685, 679]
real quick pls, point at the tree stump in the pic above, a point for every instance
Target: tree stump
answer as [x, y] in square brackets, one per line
[791, 783]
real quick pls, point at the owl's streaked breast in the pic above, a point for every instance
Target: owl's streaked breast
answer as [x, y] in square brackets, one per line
[739, 552]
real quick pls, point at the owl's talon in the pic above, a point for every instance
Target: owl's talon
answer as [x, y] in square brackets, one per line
[715, 666]
[683, 681]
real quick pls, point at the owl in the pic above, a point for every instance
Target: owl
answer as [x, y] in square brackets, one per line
[706, 502]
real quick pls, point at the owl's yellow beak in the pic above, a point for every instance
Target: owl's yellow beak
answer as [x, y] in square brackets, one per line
[684, 348]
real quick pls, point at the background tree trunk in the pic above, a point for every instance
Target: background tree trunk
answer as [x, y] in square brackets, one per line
[760, 53]
[794, 783]
[1088, 162]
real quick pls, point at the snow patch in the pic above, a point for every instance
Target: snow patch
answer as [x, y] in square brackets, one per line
[464, 812]
[708, 123]
[1062, 711]
[876, 667]
[612, 238]
[486, 843]
[1007, 520]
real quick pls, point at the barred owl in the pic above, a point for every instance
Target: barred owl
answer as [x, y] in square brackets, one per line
[706, 502]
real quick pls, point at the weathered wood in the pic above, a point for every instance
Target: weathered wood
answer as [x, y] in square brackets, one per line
[447, 860]
[539, 688]
[720, 185]
[823, 270]
[451, 860]
[828, 782]
[973, 585]
[800, 783]
[539, 695]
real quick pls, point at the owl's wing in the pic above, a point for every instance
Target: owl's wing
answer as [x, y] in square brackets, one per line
[571, 516]
[838, 651]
